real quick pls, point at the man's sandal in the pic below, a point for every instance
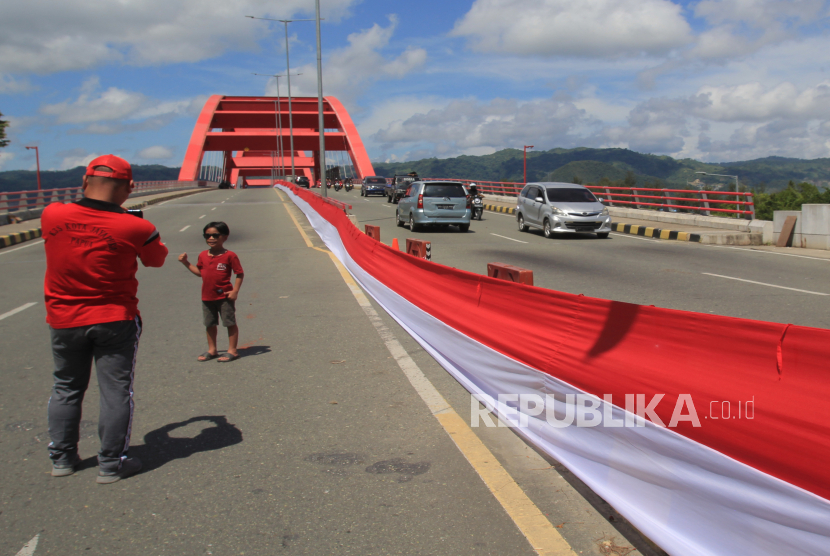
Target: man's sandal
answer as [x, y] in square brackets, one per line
[228, 357]
[207, 356]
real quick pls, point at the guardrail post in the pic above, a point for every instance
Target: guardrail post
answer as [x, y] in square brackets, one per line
[705, 204]
[419, 248]
[751, 215]
[636, 198]
[373, 231]
[608, 198]
[510, 273]
[666, 201]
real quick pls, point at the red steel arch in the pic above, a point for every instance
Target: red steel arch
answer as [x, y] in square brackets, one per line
[245, 129]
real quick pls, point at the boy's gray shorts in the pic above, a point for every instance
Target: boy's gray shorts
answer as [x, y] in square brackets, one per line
[212, 309]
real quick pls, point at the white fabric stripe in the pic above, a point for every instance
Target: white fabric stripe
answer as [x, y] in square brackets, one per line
[688, 498]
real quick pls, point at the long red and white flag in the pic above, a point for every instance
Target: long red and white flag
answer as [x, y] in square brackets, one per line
[710, 434]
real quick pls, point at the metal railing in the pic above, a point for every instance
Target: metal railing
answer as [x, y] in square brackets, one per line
[16, 201]
[643, 197]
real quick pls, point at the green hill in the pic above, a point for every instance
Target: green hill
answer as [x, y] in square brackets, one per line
[592, 165]
[23, 180]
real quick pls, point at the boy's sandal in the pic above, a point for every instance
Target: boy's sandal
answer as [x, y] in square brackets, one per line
[207, 356]
[228, 357]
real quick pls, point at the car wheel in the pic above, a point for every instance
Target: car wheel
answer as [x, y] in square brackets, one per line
[398, 220]
[521, 222]
[389, 198]
[464, 227]
[602, 235]
[547, 229]
[413, 227]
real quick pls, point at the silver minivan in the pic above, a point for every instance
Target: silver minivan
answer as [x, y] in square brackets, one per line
[556, 207]
[434, 203]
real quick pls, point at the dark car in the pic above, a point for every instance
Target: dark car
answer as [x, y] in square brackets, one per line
[395, 191]
[372, 185]
[301, 181]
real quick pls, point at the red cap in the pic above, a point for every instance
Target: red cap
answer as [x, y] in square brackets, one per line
[121, 169]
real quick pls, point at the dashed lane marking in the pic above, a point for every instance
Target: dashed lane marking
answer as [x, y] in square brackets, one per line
[15, 311]
[537, 529]
[186, 227]
[214, 208]
[202, 216]
[629, 236]
[29, 548]
[510, 238]
[763, 284]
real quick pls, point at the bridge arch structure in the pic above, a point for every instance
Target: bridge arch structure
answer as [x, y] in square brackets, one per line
[245, 132]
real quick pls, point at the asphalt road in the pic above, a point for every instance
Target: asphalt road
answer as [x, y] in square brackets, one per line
[313, 442]
[670, 274]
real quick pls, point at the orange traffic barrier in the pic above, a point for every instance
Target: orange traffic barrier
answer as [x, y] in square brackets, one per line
[373, 231]
[510, 273]
[419, 248]
[395, 244]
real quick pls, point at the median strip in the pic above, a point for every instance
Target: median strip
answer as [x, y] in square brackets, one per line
[656, 233]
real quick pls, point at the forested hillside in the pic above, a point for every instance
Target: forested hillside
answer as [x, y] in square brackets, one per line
[22, 180]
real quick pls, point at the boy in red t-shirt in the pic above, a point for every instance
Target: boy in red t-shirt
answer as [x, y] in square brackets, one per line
[218, 295]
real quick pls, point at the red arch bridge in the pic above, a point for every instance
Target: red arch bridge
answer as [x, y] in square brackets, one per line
[247, 140]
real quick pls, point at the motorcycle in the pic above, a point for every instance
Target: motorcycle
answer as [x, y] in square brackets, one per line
[338, 185]
[478, 207]
[349, 185]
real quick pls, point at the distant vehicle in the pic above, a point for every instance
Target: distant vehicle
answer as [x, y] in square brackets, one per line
[396, 189]
[434, 203]
[557, 208]
[302, 181]
[372, 185]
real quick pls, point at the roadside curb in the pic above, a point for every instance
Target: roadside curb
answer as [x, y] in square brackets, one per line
[656, 233]
[497, 208]
[20, 237]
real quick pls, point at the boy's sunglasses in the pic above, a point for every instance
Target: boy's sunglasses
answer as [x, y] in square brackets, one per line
[214, 236]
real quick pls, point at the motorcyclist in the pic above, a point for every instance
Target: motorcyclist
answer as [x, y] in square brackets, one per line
[476, 200]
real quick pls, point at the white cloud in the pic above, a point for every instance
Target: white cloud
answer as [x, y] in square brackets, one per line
[760, 13]
[10, 85]
[5, 157]
[44, 36]
[157, 152]
[349, 71]
[472, 126]
[753, 102]
[107, 112]
[595, 28]
[75, 158]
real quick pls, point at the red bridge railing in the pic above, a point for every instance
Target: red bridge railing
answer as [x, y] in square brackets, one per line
[705, 202]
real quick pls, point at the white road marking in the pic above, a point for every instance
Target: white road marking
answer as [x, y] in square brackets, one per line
[763, 284]
[510, 238]
[214, 208]
[186, 227]
[202, 216]
[4, 251]
[630, 236]
[29, 548]
[769, 252]
[15, 311]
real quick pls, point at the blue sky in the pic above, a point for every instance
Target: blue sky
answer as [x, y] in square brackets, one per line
[712, 80]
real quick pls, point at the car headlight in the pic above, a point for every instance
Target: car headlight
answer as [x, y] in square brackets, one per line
[557, 211]
[605, 212]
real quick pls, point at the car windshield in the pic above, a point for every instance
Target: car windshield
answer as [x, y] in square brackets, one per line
[444, 190]
[375, 180]
[557, 195]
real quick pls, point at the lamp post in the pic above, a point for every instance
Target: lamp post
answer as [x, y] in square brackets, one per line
[288, 73]
[525, 157]
[279, 120]
[320, 122]
[37, 159]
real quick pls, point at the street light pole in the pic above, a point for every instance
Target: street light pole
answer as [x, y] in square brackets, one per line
[37, 159]
[279, 120]
[320, 119]
[525, 157]
[737, 197]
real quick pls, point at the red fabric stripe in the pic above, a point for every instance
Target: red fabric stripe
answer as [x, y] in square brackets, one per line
[609, 347]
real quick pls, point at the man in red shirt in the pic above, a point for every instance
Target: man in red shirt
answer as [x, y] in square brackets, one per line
[92, 247]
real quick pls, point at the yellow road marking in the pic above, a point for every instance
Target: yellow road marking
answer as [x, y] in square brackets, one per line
[537, 529]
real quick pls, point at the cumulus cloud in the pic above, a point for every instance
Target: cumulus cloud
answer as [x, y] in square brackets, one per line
[5, 157]
[76, 157]
[471, 126]
[10, 85]
[116, 110]
[156, 152]
[756, 103]
[43, 36]
[595, 28]
[349, 71]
